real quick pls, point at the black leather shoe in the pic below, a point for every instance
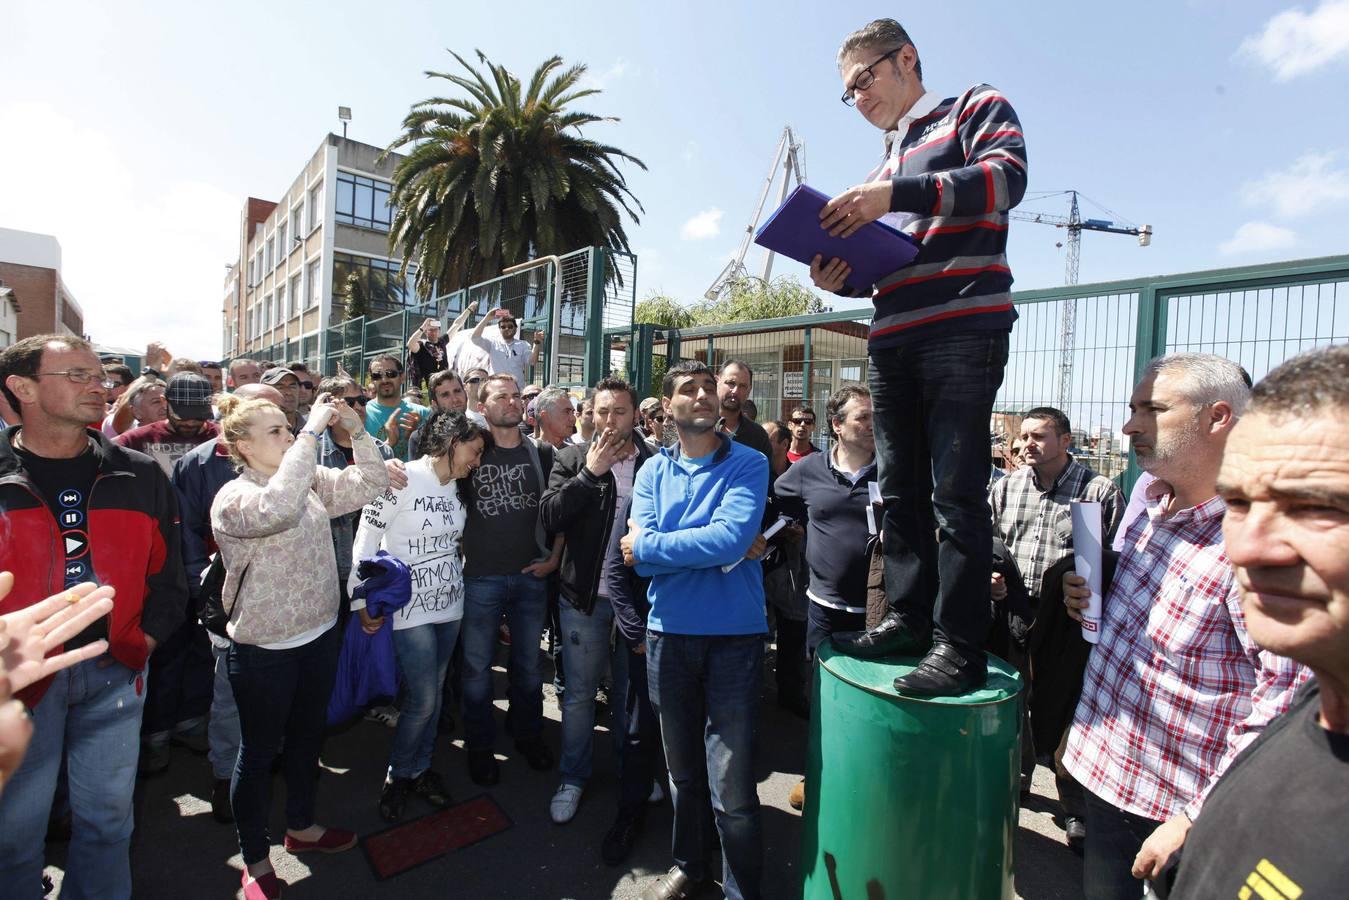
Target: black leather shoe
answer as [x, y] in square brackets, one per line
[393, 797]
[619, 839]
[483, 768]
[889, 636]
[1075, 830]
[674, 885]
[536, 753]
[221, 810]
[944, 672]
[431, 788]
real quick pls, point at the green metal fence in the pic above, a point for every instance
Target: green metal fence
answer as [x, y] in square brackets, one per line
[590, 288]
[1255, 315]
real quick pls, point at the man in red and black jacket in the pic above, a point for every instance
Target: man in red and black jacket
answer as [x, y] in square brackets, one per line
[76, 508]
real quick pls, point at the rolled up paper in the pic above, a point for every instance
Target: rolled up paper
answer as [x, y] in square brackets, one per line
[1087, 562]
[781, 523]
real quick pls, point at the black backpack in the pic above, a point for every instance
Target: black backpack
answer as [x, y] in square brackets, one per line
[212, 612]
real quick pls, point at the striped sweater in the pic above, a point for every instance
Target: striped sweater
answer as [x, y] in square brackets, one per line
[959, 167]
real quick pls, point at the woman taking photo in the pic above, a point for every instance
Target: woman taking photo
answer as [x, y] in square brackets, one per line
[281, 595]
[422, 524]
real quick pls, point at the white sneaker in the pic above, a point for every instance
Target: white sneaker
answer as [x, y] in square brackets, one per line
[565, 801]
[657, 795]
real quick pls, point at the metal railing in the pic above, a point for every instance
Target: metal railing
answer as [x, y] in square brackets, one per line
[1257, 316]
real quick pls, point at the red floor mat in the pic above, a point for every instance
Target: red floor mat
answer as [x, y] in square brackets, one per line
[407, 846]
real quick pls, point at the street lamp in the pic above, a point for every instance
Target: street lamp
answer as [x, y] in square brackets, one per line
[344, 113]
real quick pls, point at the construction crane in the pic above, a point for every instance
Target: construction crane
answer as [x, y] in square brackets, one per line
[1075, 225]
[790, 157]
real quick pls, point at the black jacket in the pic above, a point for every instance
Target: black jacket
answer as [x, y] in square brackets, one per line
[581, 506]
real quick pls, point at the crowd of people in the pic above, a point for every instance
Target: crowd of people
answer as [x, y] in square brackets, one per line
[196, 554]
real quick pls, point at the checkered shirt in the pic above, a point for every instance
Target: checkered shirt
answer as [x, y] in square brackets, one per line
[1036, 523]
[1176, 688]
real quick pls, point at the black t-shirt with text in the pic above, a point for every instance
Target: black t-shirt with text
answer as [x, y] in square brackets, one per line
[1276, 823]
[64, 485]
[430, 357]
[500, 537]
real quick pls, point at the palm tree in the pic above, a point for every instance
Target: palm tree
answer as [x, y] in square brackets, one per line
[502, 175]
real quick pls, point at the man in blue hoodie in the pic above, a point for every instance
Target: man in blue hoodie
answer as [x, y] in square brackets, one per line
[696, 508]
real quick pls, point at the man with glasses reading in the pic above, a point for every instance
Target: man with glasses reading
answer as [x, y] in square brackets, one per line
[952, 168]
[802, 425]
[390, 417]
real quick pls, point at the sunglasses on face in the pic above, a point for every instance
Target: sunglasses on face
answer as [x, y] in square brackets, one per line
[307, 385]
[391, 374]
[358, 400]
[657, 418]
[472, 380]
[803, 421]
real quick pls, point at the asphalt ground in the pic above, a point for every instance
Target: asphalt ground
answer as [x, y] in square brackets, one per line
[180, 851]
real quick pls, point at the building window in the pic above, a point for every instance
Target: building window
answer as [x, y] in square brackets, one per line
[267, 319]
[296, 297]
[297, 218]
[363, 202]
[314, 284]
[257, 265]
[270, 254]
[282, 310]
[282, 248]
[250, 273]
[378, 279]
[315, 211]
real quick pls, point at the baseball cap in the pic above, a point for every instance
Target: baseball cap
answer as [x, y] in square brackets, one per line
[276, 373]
[189, 396]
[649, 404]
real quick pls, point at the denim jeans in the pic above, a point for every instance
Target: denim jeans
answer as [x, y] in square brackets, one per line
[279, 693]
[178, 696]
[705, 690]
[91, 715]
[641, 742]
[423, 656]
[931, 401]
[588, 648]
[1114, 838]
[524, 599]
[222, 729]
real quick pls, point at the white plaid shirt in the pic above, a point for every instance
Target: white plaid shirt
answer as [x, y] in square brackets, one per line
[1176, 688]
[1036, 523]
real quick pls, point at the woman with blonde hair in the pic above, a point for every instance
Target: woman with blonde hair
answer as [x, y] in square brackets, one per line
[281, 595]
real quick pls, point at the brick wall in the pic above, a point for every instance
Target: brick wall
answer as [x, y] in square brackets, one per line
[35, 288]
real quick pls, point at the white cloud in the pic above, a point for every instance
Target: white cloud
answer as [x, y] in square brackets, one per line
[145, 261]
[602, 80]
[1258, 237]
[1310, 184]
[1294, 42]
[706, 224]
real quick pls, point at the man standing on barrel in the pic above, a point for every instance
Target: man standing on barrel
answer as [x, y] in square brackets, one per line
[951, 170]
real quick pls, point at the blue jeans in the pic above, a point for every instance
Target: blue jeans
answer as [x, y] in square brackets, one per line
[524, 599]
[931, 401]
[705, 691]
[222, 729]
[641, 743]
[280, 694]
[423, 654]
[587, 648]
[93, 716]
[1114, 838]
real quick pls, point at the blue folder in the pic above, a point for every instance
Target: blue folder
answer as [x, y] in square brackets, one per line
[874, 251]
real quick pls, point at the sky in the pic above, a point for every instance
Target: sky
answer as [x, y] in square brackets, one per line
[134, 132]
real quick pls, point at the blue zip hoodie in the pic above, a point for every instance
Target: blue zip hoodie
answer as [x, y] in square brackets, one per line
[695, 518]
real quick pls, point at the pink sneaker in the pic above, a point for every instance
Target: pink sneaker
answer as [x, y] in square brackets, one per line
[333, 840]
[264, 887]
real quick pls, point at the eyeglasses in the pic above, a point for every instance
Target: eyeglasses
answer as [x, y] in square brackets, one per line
[803, 421]
[358, 400]
[391, 374]
[307, 385]
[472, 380]
[865, 79]
[656, 418]
[80, 376]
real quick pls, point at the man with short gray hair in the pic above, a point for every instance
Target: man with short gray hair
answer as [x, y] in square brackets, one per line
[1175, 688]
[556, 417]
[952, 167]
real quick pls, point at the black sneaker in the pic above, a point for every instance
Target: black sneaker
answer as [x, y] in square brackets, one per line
[154, 759]
[221, 810]
[536, 753]
[483, 768]
[431, 788]
[619, 839]
[393, 798]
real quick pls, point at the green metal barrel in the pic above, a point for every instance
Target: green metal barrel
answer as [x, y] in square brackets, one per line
[907, 798]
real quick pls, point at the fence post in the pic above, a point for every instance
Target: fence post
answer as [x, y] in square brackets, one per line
[639, 357]
[597, 351]
[805, 369]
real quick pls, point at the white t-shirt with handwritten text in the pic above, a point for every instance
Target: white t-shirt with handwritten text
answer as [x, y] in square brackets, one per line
[423, 525]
